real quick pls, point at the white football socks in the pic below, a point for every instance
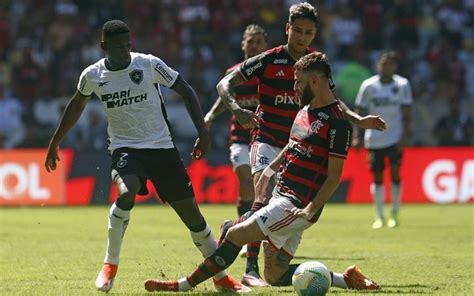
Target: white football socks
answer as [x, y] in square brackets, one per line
[338, 280]
[118, 222]
[205, 242]
[396, 189]
[378, 195]
[183, 285]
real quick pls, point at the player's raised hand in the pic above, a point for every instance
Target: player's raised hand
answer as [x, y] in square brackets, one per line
[372, 122]
[51, 157]
[201, 146]
[246, 118]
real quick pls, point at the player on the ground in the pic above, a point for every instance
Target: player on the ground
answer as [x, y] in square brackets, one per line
[246, 94]
[279, 103]
[310, 173]
[390, 95]
[128, 84]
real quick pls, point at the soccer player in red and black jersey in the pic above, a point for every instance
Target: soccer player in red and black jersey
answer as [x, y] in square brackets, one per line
[278, 101]
[310, 173]
[253, 43]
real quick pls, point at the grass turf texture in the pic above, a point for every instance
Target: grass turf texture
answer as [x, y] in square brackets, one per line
[58, 251]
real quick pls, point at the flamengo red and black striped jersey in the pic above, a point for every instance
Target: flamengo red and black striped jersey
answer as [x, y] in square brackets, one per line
[246, 96]
[278, 101]
[315, 136]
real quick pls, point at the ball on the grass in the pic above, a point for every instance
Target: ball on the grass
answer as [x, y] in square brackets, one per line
[311, 278]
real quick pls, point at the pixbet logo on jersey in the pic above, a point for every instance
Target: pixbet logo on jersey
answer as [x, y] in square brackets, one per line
[287, 99]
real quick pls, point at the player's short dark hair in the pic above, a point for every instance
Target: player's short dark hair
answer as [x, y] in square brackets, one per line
[315, 61]
[254, 29]
[114, 27]
[303, 10]
[390, 56]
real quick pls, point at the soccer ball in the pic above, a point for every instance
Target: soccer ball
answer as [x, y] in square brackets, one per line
[311, 278]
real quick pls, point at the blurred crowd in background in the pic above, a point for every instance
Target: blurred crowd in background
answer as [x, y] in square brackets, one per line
[45, 44]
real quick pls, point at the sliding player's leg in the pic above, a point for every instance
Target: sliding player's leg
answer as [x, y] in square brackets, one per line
[174, 186]
[237, 236]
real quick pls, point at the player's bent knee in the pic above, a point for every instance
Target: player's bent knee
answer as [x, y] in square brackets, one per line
[233, 234]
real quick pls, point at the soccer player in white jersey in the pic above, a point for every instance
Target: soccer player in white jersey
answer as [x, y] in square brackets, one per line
[128, 84]
[389, 95]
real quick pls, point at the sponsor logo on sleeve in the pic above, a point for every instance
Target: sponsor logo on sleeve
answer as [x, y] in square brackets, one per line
[252, 69]
[163, 72]
[332, 136]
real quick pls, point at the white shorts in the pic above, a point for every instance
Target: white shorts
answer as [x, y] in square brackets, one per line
[282, 230]
[261, 155]
[239, 155]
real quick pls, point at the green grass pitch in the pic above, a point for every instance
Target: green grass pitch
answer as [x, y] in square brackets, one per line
[58, 251]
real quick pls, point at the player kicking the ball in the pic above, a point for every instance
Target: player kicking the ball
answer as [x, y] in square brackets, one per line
[128, 84]
[310, 173]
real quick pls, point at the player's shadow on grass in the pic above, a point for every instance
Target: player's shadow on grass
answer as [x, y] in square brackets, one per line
[329, 258]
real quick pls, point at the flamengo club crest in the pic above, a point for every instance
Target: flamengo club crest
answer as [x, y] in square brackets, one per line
[315, 126]
[136, 76]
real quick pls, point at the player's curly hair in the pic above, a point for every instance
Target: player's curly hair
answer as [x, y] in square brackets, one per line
[315, 61]
[254, 29]
[303, 10]
[114, 27]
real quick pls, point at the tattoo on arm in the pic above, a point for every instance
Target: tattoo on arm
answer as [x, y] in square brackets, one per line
[226, 90]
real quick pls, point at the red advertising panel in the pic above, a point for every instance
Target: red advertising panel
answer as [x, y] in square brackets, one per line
[24, 180]
[429, 175]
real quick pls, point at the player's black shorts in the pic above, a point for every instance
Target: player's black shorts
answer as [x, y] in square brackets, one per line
[377, 157]
[163, 167]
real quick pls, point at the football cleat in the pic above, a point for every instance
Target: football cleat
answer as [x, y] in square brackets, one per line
[157, 285]
[378, 223]
[253, 279]
[356, 280]
[393, 222]
[229, 284]
[105, 279]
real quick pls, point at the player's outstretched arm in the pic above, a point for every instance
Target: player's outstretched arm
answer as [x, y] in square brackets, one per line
[266, 175]
[70, 116]
[225, 89]
[191, 100]
[217, 109]
[366, 122]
